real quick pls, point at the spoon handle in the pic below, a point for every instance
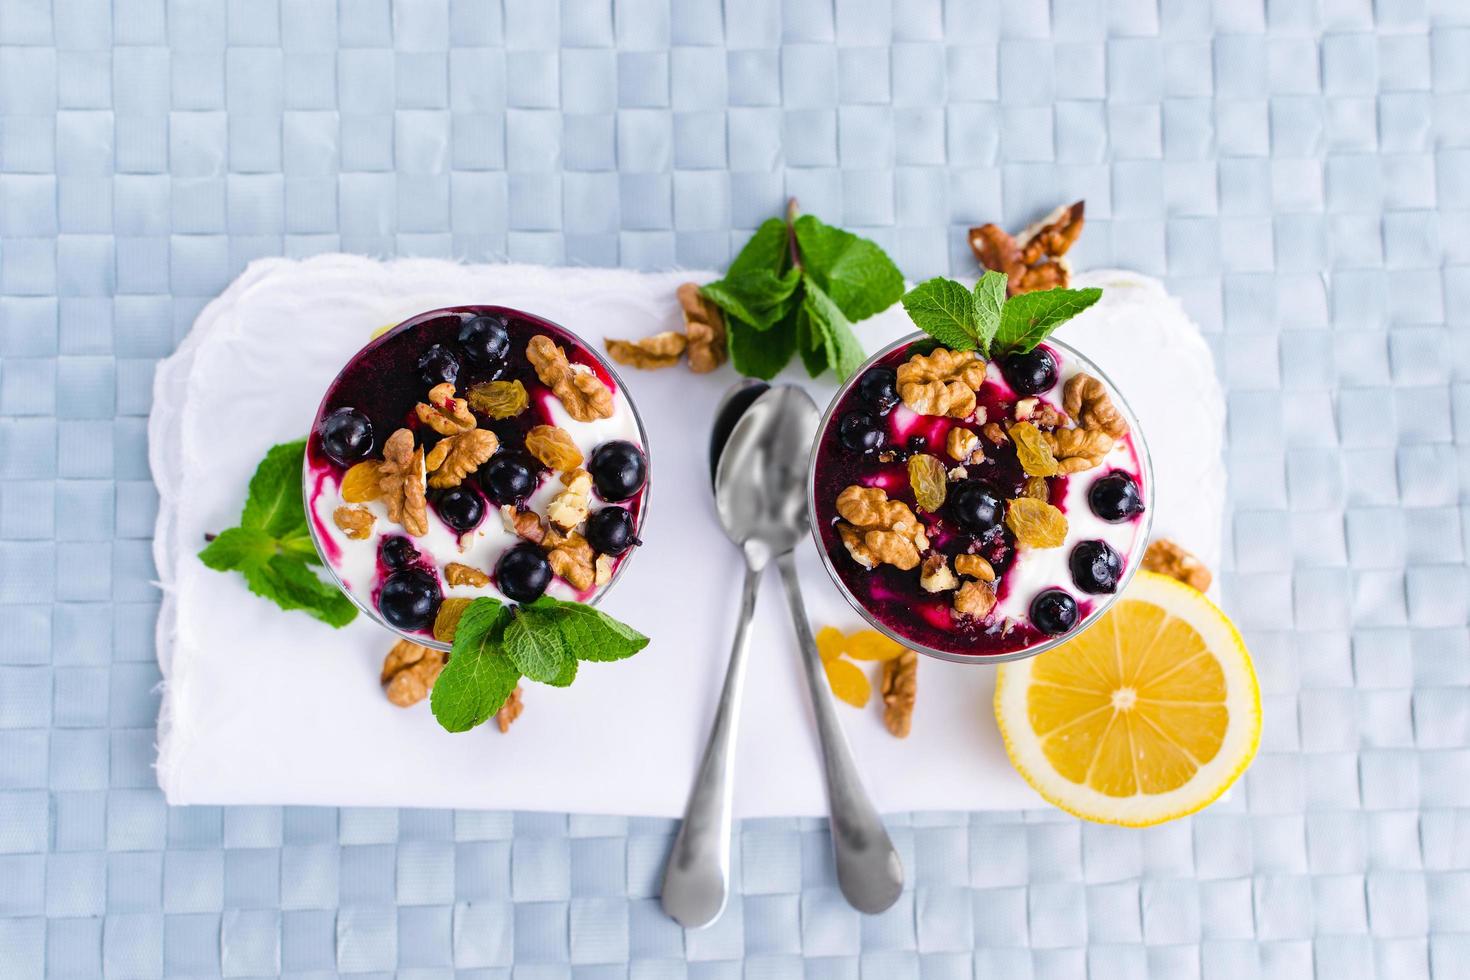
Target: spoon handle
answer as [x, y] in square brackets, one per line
[869, 871]
[697, 878]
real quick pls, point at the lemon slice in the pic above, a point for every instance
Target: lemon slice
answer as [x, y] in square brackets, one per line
[1148, 715]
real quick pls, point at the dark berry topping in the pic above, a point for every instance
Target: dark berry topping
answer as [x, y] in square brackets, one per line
[1054, 612]
[485, 339]
[1115, 497]
[523, 573]
[398, 552]
[861, 432]
[461, 508]
[347, 436]
[508, 480]
[879, 388]
[1096, 567]
[976, 507]
[439, 365]
[618, 469]
[408, 599]
[1030, 373]
[610, 531]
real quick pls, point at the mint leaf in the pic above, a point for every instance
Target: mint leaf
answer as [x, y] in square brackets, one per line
[844, 353]
[1026, 320]
[479, 677]
[272, 547]
[589, 633]
[945, 310]
[853, 271]
[812, 345]
[760, 297]
[238, 547]
[275, 502]
[761, 353]
[990, 299]
[290, 584]
[768, 249]
[535, 645]
[567, 675]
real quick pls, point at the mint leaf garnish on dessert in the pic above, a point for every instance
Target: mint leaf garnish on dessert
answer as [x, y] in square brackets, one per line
[495, 645]
[984, 320]
[799, 285]
[479, 677]
[272, 546]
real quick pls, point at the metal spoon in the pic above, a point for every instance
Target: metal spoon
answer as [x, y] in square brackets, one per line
[759, 493]
[697, 878]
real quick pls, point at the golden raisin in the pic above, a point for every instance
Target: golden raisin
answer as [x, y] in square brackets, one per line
[830, 643]
[498, 399]
[1036, 487]
[872, 645]
[554, 447]
[849, 683]
[1032, 450]
[927, 478]
[1036, 523]
[360, 484]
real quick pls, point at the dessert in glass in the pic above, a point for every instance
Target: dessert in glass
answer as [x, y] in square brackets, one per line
[979, 511]
[474, 451]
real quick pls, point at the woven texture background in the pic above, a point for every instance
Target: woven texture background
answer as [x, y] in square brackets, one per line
[1298, 171]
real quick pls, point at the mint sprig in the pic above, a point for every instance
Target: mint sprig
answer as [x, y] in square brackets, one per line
[272, 546]
[798, 286]
[496, 645]
[983, 319]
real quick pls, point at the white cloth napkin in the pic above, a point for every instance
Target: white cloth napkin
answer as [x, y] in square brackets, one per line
[267, 707]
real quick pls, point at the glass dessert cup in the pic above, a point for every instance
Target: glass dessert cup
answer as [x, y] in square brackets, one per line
[387, 380]
[892, 601]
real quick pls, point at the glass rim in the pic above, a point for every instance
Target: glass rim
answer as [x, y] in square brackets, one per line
[428, 640]
[1102, 602]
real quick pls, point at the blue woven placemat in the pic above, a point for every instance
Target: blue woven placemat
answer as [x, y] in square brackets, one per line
[1298, 171]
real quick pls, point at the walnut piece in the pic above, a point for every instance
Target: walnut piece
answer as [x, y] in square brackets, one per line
[581, 392]
[523, 523]
[877, 530]
[974, 566]
[569, 507]
[355, 522]
[571, 559]
[1078, 449]
[1167, 558]
[602, 570]
[1085, 399]
[455, 457]
[401, 480]
[974, 599]
[509, 711]
[458, 574]
[941, 383]
[899, 688]
[994, 433]
[935, 576]
[554, 447]
[1047, 417]
[444, 413]
[409, 672]
[960, 443]
[1033, 259]
[704, 325]
[659, 351]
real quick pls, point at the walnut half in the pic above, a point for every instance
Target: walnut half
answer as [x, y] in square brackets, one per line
[1167, 558]
[409, 672]
[877, 530]
[580, 391]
